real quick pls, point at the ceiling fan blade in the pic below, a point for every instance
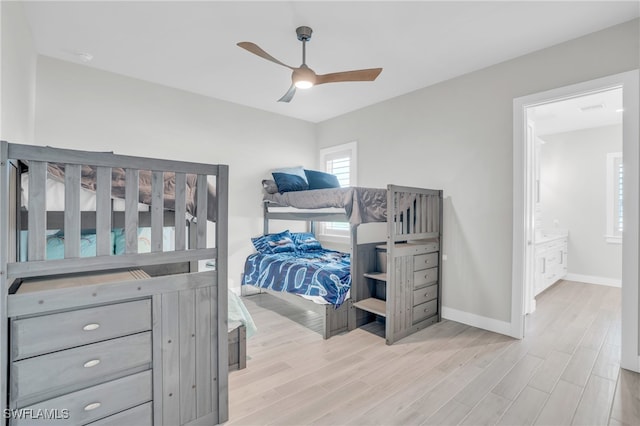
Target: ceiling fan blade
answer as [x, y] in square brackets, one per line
[357, 75]
[257, 50]
[289, 95]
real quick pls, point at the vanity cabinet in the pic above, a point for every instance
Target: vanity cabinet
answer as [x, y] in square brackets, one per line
[551, 262]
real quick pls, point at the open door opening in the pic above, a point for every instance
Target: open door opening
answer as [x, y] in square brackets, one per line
[548, 190]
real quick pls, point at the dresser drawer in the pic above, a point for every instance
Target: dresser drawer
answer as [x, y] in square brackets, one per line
[96, 402]
[426, 276]
[48, 333]
[425, 310]
[425, 294]
[138, 416]
[424, 261]
[43, 375]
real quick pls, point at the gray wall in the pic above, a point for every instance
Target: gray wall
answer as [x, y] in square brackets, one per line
[83, 108]
[18, 71]
[458, 136]
[573, 172]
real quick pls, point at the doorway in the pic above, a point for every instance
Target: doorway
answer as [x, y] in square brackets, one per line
[527, 196]
[578, 179]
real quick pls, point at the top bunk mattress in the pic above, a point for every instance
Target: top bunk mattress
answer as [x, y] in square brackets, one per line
[361, 205]
[55, 197]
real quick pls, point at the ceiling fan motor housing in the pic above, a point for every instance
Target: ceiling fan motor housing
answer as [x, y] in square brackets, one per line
[304, 33]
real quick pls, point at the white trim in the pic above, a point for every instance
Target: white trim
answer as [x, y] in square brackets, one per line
[613, 239]
[337, 235]
[485, 323]
[611, 192]
[349, 146]
[591, 279]
[630, 82]
[332, 238]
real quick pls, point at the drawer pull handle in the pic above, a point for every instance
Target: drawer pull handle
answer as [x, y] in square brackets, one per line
[91, 363]
[91, 327]
[92, 406]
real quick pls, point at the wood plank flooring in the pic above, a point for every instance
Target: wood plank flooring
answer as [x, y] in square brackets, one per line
[566, 371]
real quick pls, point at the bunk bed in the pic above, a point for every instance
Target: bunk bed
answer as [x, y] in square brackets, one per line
[397, 279]
[141, 336]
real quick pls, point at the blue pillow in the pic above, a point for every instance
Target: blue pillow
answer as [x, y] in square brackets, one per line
[321, 180]
[280, 243]
[290, 179]
[55, 246]
[274, 243]
[306, 241]
[261, 245]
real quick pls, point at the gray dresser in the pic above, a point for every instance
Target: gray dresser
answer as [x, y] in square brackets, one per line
[90, 365]
[112, 352]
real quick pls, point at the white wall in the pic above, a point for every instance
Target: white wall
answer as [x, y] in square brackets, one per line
[457, 136]
[17, 75]
[573, 174]
[83, 108]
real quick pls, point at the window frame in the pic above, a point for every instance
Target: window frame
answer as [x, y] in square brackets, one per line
[324, 230]
[614, 169]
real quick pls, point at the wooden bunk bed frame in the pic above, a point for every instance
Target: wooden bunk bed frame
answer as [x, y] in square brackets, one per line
[413, 296]
[334, 321]
[86, 305]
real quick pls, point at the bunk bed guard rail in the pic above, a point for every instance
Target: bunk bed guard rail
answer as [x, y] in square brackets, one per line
[413, 213]
[74, 220]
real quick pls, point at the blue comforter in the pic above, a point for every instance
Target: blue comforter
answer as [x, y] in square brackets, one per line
[324, 273]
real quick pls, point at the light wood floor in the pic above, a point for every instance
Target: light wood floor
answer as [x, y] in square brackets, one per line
[566, 371]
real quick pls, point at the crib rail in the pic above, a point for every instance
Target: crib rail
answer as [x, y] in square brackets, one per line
[413, 213]
[104, 219]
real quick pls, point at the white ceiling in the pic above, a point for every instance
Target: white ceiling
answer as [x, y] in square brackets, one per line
[192, 45]
[583, 112]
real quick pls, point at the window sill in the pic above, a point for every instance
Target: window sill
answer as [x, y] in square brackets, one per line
[610, 239]
[332, 238]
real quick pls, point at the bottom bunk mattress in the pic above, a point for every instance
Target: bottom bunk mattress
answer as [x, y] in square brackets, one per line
[324, 273]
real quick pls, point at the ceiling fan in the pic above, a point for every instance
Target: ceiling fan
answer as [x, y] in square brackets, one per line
[304, 77]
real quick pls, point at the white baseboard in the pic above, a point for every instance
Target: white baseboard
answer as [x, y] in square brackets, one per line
[631, 363]
[485, 323]
[590, 279]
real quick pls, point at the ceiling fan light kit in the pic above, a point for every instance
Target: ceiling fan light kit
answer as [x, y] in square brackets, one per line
[304, 77]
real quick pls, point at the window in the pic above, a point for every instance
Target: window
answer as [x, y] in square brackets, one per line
[340, 160]
[615, 181]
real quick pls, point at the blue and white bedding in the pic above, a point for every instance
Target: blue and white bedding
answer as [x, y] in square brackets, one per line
[55, 242]
[324, 273]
